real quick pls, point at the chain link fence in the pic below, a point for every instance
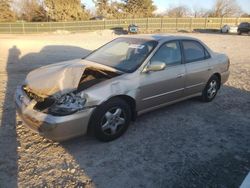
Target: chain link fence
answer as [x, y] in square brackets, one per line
[145, 25]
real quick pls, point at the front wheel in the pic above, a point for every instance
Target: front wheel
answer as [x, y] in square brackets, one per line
[111, 119]
[211, 89]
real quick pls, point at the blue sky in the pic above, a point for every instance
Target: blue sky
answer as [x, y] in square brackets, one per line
[192, 4]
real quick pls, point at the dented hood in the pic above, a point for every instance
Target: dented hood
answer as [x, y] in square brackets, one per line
[60, 78]
[56, 79]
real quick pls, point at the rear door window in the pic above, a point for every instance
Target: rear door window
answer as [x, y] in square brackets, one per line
[194, 51]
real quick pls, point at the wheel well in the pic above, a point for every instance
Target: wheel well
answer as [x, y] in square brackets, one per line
[131, 102]
[218, 76]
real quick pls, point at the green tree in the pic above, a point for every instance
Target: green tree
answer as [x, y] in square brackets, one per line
[139, 8]
[65, 10]
[6, 14]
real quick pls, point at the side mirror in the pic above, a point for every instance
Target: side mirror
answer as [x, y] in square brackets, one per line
[156, 66]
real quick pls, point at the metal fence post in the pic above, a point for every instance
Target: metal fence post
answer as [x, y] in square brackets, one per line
[221, 20]
[23, 27]
[161, 23]
[147, 25]
[237, 21]
[10, 28]
[191, 24]
[78, 26]
[176, 24]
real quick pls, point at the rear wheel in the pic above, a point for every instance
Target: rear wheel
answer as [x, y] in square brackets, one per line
[211, 89]
[111, 119]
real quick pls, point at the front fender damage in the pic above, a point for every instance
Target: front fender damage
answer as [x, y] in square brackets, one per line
[121, 86]
[61, 89]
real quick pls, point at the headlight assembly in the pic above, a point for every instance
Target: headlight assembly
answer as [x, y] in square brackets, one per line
[68, 104]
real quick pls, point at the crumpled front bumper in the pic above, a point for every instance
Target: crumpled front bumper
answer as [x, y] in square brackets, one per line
[56, 128]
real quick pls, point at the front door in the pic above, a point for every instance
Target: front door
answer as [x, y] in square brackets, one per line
[160, 87]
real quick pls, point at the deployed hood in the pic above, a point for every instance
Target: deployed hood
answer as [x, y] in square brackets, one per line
[58, 78]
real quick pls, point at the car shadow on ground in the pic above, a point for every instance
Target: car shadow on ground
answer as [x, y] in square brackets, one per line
[188, 144]
[17, 68]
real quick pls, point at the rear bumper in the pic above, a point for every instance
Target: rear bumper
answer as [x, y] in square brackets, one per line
[224, 76]
[56, 128]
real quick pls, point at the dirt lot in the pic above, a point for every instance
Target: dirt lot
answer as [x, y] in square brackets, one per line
[189, 144]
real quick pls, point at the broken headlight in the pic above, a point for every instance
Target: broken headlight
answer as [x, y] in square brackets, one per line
[68, 104]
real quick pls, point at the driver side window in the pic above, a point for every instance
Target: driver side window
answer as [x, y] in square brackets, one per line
[169, 53]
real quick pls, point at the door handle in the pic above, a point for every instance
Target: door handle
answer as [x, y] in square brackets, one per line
[180, 75]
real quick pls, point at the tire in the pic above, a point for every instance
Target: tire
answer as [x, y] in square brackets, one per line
[211, 89]
[110, 120]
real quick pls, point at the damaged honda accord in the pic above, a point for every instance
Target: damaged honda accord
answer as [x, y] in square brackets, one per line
[126, 77]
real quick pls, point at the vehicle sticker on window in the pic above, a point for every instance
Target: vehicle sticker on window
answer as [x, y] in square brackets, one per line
[138, 46]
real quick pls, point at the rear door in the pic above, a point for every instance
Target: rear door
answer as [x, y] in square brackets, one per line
[196, 60]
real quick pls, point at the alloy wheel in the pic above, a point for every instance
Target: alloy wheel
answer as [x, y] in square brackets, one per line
[212, 89]
[112, 121]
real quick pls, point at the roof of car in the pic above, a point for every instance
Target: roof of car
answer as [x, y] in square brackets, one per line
[161, 37]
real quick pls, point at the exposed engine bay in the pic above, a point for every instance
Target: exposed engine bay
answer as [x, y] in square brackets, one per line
[92, 76]
[61, 105]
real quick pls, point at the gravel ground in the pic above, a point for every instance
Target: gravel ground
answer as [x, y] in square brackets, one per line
[189, 144]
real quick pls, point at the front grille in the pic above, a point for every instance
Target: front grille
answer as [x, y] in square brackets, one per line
[42, 103]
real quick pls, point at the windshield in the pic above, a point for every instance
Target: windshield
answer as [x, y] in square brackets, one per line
[125, 54]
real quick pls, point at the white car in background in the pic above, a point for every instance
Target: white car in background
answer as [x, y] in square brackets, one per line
[229, 29]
